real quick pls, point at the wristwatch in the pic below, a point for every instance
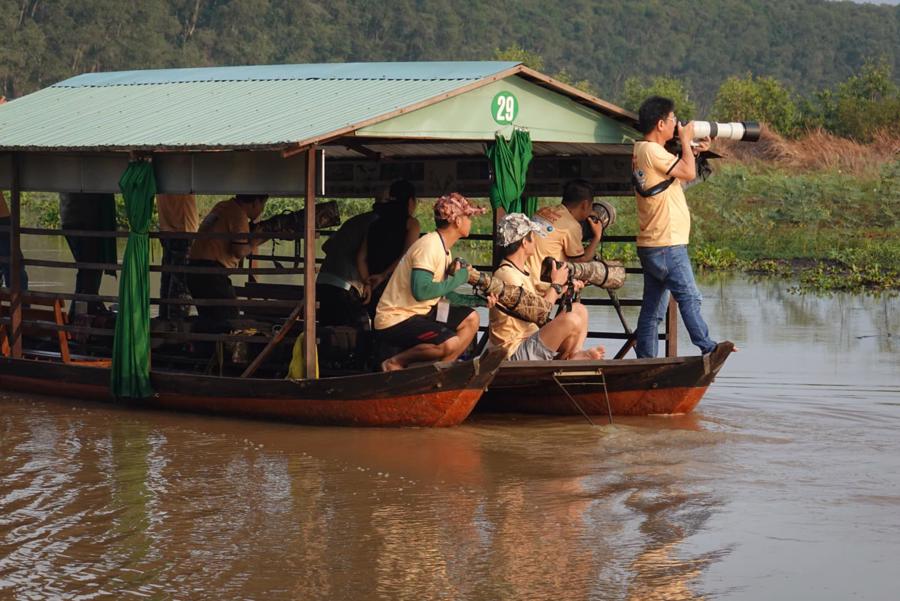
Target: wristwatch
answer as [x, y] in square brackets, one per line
[558, 288]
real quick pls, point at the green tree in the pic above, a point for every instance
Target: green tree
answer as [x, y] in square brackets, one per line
[636, 91]
[760, 98]
[518, 54]
[865, 103]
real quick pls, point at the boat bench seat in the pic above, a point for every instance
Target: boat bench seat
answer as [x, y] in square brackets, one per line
[40, 309]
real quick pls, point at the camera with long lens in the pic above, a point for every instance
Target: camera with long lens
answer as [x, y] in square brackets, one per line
[739, 131]
[515, 300]
[600, 273]
[603, 213]
[292, 223]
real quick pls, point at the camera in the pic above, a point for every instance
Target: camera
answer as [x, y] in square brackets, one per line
[600, 273]
[739, 131]
[603, 213]
[292, 223]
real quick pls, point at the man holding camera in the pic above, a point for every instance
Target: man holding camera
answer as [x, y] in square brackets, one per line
[232, 216]
[665, 224]
[561, 338]
[562, 225]
[415, 314]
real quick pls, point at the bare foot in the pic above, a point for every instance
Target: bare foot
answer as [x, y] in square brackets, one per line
[391, 365]
[593, 354]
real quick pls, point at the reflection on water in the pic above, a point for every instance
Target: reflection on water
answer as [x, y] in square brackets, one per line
[786, 484]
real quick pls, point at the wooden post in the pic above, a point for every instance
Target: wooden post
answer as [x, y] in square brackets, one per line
[499, 214]
[309, 265]
[672, 328]
[15, 259]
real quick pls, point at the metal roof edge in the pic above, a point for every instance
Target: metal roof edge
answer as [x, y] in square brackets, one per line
[598, 104]
[360, 71]
[302, 145]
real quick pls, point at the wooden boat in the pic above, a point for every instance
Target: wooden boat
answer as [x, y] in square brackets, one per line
[670, 385]
[440, 394]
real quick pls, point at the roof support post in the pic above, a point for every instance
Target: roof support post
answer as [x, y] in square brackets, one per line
[672, 328]
[309, 266]
[15, 259]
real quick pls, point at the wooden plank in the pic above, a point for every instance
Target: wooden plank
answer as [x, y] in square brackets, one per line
[276, 340]
[309, 279]
[63, 336]
[15, 259]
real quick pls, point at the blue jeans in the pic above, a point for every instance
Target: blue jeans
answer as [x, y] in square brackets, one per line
[668, 268]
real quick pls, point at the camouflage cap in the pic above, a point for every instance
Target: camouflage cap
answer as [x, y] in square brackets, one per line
[514, 227]
[455, 205]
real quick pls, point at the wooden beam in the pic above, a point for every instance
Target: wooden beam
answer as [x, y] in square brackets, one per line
[672, 328]
[263, 355]
[309, 269]
[15, 260]
[363, 150]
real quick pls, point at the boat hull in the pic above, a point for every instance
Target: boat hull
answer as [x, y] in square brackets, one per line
[428, 396]
[635, 386]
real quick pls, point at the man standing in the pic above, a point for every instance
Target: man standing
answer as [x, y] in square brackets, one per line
[89, 211]
[562, 338]
[232, 216]
[665, 224]
[177, 213]
[562, 226]
[414, 313]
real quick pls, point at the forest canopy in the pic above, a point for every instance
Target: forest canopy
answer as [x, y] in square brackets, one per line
[803, 49]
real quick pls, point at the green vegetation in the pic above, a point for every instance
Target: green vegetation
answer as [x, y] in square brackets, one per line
[830, 230]
[835, 231]
[811, 44]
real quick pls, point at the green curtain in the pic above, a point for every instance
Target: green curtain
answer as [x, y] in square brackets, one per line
[509, 162]
[131, 346]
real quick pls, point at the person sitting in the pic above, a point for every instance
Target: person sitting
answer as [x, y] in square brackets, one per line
[412, 315]
[340, 289]
[561, 338]
[231, 216]
[386, 239]
[562, 224]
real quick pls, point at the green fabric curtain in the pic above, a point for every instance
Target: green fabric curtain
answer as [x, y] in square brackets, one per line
[509, 161]
[131, 346]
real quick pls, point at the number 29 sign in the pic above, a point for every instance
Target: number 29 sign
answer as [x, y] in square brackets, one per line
[504, 108]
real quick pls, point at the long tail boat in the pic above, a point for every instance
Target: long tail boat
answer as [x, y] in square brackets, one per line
[668, 385]
[425, 122]
[441, 394]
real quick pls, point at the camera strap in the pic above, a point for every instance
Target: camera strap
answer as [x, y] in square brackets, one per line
[653, 190]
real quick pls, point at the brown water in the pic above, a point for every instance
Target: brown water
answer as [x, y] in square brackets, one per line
[785, 484]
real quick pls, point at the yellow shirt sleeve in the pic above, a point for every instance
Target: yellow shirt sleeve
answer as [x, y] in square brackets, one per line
[573, 246]
[661, 160]
[429, 256]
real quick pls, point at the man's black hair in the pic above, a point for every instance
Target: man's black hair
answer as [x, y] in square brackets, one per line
[509, 249]
[576, 192]
[249, 198]
[652, 111]
[402, 191]
[439, 222]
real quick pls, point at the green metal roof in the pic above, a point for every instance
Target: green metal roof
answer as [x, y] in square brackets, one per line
[227, 107]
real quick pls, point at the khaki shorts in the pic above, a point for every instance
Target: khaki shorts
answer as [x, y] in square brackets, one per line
[533, 349]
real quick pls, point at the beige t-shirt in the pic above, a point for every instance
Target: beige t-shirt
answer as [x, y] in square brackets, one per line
[177, 212]
[664, 219]
[226, 216]
[398, 303]
[4, 210]
[507, 331]
[563, 240]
